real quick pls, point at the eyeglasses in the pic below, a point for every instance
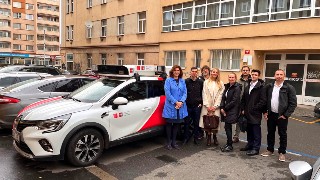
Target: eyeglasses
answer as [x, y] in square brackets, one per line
[246, 70]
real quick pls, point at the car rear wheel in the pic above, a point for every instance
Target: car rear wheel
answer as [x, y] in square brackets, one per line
[85, 147]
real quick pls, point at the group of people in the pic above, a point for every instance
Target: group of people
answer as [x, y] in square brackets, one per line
[190, 99]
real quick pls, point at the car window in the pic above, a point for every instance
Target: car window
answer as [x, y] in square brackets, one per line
[48, 87]
[155, 89]
[96, 90]
[87, 81]
[53, 71]
[133, 92]
[23, 78]
[40, 70]
[21, 85]
[68, 85]
[27, 69]
[7, 81]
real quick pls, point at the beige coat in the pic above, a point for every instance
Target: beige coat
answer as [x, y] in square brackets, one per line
[209, 93]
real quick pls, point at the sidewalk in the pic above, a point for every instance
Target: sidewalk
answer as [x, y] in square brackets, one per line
[304, 110]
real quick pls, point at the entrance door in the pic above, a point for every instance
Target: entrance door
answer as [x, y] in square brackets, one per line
[312, 91]
[295, 76]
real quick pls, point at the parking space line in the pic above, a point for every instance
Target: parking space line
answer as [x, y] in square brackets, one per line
[100, 173]
[312, 122]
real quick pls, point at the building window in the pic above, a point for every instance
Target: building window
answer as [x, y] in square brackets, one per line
[103, 28]
[89, 32]
[4, 45]
[17, 15]
[121, 25]
[4, 2]
[89, 60]
[5, 34]
[175, 58]
[89, 3]
[29, 48]
[4, 23]
[71, 6]
[140, 58]
[16, 46]
[29, 6]
[104, 59]
[16, 26]
[142, 22]
[120, 59]
[16, 36]
[30, 37]
[16, 4]
[197, 58]
[71, 32]
[226, 59]
[29, 27]
[103, 1]
[29, 16]
[67, 33]
[67, 6]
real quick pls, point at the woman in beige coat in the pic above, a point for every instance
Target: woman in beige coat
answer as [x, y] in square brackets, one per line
[211, 94]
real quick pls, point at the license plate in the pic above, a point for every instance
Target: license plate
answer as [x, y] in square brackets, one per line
[16, 135]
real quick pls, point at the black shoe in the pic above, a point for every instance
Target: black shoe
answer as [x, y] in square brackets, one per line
[245, 149]
[185, 141]
[169, 147]
[195, 141]
[252, 152]
[176, 146]
[226, 148]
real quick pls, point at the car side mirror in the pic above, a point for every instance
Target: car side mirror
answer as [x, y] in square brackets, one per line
[300, 170]
[119, 101]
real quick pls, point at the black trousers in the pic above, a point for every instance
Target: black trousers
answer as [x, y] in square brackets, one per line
[282, 124]
[254, 136]
[228, 128]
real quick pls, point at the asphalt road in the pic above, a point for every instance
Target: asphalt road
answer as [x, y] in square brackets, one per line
[148, 159]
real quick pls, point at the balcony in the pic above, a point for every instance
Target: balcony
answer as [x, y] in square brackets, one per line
[5, 6]
[44, 21]
[5, 49]
[49, 43]
[6, 39]
[49, 33]
[45, 11]
[5, 28]
[7, 17]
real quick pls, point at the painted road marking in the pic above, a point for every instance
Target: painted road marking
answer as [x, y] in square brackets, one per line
[312, 122]
[101, 174]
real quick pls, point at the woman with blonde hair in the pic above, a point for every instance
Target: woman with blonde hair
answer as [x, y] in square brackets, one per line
[212, 94]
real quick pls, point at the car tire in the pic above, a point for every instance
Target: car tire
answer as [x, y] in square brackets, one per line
[85, 147]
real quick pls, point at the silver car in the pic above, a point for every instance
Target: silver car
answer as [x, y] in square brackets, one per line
[7, 79]
[301, 170]
[15, 97]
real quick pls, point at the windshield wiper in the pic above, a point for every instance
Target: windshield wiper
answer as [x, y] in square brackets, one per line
[75, 99]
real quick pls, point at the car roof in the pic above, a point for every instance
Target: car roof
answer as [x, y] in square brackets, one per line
[21, 74]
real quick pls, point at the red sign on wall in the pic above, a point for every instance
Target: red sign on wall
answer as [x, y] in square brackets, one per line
[246, 51]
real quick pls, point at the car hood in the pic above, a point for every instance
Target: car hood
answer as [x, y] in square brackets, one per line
[53, 108]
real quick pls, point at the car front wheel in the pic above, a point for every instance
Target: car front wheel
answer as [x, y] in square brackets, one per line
[85, 147]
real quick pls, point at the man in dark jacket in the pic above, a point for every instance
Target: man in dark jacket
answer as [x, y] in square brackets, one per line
[281, 103]
[252, 107]
[194, 104]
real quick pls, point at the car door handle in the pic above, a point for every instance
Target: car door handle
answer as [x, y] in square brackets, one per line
[146, 109]
[104, 114]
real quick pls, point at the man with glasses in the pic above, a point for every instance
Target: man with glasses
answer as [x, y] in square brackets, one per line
[194, 104]
[244, 81]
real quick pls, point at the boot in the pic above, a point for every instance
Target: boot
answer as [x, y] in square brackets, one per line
[215, 140]
[209, 139]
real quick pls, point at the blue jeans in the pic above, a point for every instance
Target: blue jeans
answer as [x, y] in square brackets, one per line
[194, 116]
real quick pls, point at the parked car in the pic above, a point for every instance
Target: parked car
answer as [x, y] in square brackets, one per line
[69, 72]
[7, 79]
[15, 97]
[104, 113]
[317, 110]
[32, 68]
[301, 170]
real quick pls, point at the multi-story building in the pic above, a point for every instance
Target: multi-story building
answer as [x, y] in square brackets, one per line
[29, 32]
[264, 34]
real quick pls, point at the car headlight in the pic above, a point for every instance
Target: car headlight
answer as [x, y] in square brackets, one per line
[54, 124]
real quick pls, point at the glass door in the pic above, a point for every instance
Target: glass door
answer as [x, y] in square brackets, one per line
[295, 76]
[312, 90]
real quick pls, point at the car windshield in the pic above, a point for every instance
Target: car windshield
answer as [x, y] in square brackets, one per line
[94, 91]
[21, 85]
[10, 69]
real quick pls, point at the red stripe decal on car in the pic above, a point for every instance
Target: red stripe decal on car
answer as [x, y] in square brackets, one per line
[156, 118]
[39, 103]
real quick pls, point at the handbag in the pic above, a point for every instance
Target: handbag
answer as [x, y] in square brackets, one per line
[242, 121]
[211, 122]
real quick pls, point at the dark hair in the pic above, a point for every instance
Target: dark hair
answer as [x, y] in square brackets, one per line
[256, 70]
[245, 67]
[193, 68]
[280, 70]
[205, 67]
[173, 68]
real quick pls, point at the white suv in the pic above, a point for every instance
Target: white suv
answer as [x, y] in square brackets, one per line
[101, 114]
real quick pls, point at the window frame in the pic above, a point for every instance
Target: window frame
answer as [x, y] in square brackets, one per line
[120, 25]
[120, 58]
[179, 59]
[231, 59]
[140, 61]
[143, 22]
[103, 28]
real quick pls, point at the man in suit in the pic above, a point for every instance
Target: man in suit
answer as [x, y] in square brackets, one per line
[252, 107]
[281, 103]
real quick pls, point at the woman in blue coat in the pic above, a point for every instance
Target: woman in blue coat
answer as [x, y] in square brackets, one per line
[175, 109]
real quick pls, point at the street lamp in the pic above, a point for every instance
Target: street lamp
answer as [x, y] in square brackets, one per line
[44, 47]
